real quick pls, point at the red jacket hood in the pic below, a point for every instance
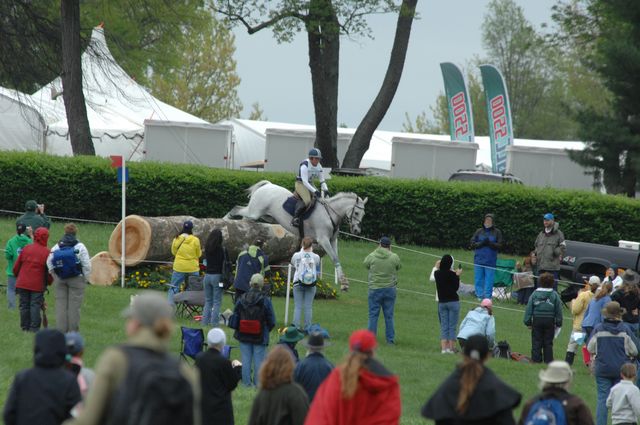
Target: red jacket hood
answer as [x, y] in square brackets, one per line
[375, 383]
[41, 236]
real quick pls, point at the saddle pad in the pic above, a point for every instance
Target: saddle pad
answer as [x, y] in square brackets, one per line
[290, 206]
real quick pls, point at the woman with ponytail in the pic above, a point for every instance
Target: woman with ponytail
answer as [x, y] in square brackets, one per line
[473, 394]
[359, 391]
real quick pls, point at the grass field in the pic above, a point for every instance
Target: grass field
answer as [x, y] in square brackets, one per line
[416, 358]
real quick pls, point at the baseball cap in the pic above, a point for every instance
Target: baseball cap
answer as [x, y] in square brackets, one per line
[363, 341]
[594, 280]
[147, 308]
[486, 303]
[257, 280]
[75, 343]
[216, 336]
[548, 216]
[385, 242]
[187, 225]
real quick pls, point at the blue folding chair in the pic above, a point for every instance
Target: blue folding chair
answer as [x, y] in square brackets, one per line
[192, 342]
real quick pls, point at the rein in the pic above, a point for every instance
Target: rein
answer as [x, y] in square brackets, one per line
[330, 210]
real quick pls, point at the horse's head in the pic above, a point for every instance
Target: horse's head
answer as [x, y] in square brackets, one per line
[357, 214]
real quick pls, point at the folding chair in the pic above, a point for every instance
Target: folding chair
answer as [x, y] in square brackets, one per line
[503, 279]
[190, 302]
[192, 342]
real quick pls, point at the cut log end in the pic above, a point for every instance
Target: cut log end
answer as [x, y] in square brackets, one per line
[104, 271]
[137, 240]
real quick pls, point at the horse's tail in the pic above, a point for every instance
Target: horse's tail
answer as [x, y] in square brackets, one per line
[256, 186]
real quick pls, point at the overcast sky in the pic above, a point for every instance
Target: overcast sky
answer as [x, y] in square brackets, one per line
[277, 75]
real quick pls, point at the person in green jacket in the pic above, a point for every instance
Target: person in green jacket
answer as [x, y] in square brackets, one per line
[34, 216]
[543, 316]
[383, 266]
[11, 252]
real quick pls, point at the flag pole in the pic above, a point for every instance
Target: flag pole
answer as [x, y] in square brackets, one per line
[124, 212]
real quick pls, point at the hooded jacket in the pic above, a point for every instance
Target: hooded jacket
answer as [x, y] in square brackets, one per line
[593, 314]
[249, 262]
[375, 402]
[613, 345]
[549, 248]
[46, 393]
[491, 403]
[187, 252]
[487, 241]
[31, 266]
[478, 321]
[69, 239]
[383, 266]
[13, 248]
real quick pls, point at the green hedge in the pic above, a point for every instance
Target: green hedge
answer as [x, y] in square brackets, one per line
[421, 212]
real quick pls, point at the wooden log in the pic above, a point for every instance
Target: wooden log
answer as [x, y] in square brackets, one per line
[149, 238]
[104, 271]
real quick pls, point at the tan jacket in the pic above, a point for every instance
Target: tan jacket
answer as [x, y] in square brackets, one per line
[110, 373]
[579, 307]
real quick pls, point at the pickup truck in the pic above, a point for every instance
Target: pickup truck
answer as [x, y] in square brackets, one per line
[582, 259]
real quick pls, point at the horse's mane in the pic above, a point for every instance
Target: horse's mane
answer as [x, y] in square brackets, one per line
[344, 195]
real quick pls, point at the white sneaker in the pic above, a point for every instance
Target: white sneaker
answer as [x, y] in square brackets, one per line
[443, 352]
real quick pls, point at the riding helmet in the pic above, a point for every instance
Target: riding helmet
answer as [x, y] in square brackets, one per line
[315, 153]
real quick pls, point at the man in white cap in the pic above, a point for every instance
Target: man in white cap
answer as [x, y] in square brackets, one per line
[555, 398]
[219, 377]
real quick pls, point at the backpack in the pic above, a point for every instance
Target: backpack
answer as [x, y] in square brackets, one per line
[66, 263]
[227, 270]
[251, 318]
[307, 267]
[154, 391]
[502, 350]
[546, 412]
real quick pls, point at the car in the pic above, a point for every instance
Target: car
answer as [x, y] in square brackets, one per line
[483, 176]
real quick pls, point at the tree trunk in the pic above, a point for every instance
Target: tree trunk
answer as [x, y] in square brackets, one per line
[323, 34]
[104, 271]
[362, 137]
[74, 104]
[630, 174]
[150, 238]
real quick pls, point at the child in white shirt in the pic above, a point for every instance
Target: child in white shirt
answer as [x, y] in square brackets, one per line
[624, 397]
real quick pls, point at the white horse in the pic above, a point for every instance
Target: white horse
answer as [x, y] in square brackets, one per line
[266, 199]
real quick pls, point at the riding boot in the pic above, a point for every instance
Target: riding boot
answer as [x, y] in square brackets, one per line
[300, 207]
[569, 357]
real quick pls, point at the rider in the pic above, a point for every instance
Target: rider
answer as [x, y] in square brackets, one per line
[309, 169]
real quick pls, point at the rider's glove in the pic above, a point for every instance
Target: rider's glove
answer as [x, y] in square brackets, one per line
[318, 194]
[326, 194]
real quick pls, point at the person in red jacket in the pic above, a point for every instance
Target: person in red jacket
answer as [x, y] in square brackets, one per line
[359, 391]
[32, 278]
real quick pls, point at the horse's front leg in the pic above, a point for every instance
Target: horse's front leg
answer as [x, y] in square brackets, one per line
[344, 282]
[327, 245]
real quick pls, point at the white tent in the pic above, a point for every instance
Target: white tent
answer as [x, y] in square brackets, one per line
[117, 107]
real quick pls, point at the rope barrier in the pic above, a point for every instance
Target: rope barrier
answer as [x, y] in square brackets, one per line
[86, 220]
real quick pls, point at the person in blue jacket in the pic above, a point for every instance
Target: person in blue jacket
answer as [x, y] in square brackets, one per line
[479, 321]
[487, 241]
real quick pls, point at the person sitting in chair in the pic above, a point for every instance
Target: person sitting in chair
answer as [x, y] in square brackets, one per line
[308, 170]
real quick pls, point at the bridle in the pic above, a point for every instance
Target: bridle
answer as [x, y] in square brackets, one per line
[349, 219]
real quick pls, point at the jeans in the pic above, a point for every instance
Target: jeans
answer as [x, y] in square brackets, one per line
[542, 339]
[251, 353]
[484, 280]
[303, 297]
[69, 296]
[384, 298]
[11, 292]
[30, 306]
[448, 313]
[176, 279]
[603, 386]
[212, 300]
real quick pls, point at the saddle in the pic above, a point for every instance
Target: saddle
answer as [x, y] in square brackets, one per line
[290, 206]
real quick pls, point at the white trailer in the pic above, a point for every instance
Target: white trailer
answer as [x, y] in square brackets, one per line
[432, 159]
[544, 167]
[188, 143]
